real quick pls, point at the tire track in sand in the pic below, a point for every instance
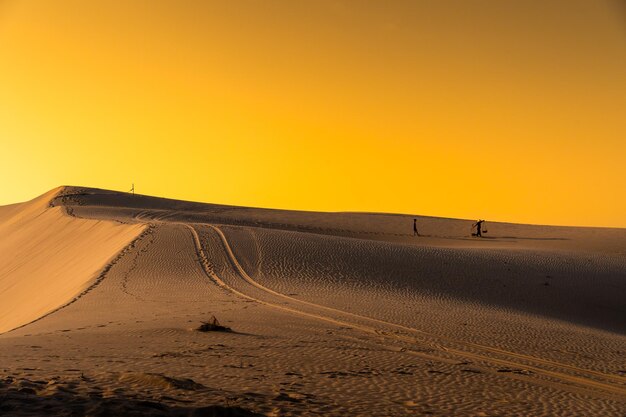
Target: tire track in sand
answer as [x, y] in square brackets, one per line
[484, 353]
[208, 269]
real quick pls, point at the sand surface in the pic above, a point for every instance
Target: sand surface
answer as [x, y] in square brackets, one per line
[331, 313]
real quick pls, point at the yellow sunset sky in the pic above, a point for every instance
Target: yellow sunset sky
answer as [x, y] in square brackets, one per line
[504, 110]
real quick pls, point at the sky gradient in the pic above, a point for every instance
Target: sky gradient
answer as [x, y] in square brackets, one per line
[505, 110]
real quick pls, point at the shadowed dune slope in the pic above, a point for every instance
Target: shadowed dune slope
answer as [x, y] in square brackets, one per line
[585, 290]
[48, 257]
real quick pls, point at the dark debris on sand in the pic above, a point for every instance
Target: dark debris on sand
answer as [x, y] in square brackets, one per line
[213, 325]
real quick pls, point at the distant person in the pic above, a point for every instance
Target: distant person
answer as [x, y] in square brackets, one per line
[479, 228]
[415, 232]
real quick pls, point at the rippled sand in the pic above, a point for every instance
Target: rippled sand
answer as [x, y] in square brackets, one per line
[332, 313]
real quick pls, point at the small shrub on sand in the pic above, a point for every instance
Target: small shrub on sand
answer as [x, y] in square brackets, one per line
[212, 326]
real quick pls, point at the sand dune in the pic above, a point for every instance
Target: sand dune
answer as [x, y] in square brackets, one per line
[332, 313]
[48, 258]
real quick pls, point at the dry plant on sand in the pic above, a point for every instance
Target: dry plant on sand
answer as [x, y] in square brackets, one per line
[213, 325]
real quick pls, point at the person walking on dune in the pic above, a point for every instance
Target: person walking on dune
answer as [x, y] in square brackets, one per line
[415, 232]
[478, 225]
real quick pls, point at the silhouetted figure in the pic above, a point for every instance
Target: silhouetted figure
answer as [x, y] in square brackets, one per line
[415, 232]
[479, 226]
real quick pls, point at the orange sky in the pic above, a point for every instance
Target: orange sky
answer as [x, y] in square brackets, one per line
[505, 110]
